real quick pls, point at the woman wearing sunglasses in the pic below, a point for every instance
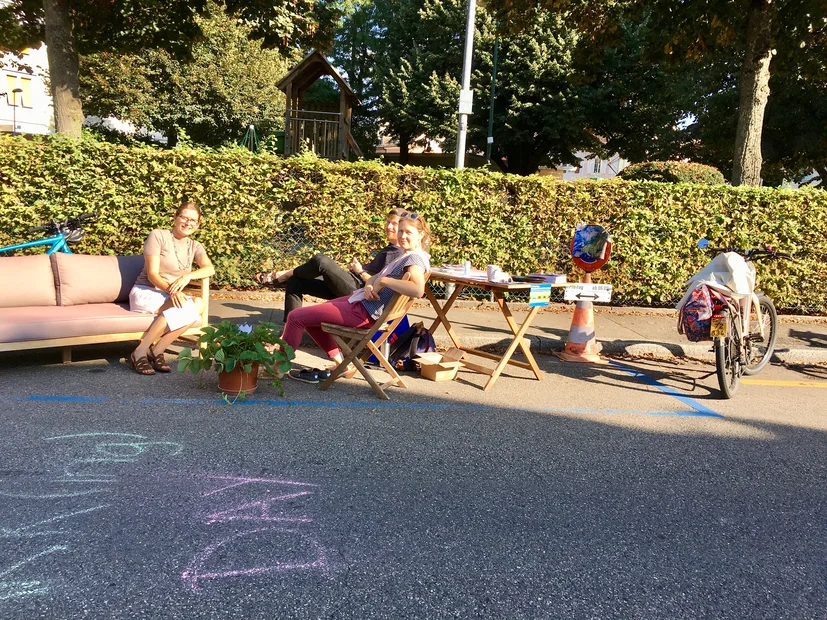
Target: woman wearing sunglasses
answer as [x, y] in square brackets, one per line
[365, 305]
[168, 258]
[322, 276]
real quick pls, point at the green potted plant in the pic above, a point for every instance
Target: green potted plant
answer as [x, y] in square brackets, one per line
[237, 352]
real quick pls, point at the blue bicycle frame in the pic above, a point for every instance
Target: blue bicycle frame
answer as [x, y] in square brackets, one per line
[64, 232]
[57, 243]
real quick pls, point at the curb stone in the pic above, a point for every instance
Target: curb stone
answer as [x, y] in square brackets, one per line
[542, 345]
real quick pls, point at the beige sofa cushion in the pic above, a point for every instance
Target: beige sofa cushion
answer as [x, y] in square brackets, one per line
[26, 281]
[83, 279]
[42, 323]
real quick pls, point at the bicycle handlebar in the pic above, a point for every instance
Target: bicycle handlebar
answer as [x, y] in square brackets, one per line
[65, 225]
[753, 254]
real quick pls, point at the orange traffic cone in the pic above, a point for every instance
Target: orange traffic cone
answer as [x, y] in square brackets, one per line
[581, 345]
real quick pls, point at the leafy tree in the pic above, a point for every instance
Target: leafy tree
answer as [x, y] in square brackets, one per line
[418, 52]
[73, 27]
[539, 112]
[229, 82]
[672, 172]
[752, 32]
[639, 109]
[354, 52]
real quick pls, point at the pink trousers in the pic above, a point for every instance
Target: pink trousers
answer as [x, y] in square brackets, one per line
[309, 318]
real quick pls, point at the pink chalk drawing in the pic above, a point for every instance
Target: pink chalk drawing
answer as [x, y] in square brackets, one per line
[197, 570]
[258, 511]
[236, 481]
[277, 548]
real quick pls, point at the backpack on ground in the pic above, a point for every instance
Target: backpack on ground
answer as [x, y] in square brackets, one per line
[695, 316]
[399, 330]
[417, 339]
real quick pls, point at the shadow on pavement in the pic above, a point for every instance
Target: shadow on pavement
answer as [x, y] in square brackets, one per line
[334, 504]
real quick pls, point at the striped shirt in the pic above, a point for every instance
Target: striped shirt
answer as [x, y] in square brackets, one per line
[397, 270]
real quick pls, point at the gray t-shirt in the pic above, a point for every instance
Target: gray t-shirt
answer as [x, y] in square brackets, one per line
[177, 255]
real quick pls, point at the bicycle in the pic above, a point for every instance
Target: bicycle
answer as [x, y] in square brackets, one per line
[738, 310]
[63, 233]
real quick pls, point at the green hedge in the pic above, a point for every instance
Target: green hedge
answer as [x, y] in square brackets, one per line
[673, 172]
[265, 210]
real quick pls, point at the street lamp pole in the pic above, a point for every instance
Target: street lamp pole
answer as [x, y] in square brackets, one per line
[466, 95]
[15, 92]
[490, 140]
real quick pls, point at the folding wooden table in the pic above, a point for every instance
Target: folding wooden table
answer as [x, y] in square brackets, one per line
[518, 330]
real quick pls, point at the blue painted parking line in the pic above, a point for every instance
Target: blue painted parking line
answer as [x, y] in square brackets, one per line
[697, 408]
[63, 399]
[700, 409]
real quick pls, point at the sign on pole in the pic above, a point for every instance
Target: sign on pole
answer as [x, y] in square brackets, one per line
[539, 295]
[590, 247]
[588, 292]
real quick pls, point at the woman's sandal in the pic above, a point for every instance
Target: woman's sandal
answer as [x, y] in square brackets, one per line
[158, 362]
[264, 277]
[347, 374]
[140, 365]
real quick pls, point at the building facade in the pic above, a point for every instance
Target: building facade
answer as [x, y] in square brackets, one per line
[592, 167]
[25, 101]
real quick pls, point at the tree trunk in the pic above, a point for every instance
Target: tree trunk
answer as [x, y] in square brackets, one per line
[172, 137]
[754, 85]
[63, 67]
[522, 159]
[403, 150]
[498, 159]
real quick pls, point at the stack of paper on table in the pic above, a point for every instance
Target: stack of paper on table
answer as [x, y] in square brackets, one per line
[459, 270]
[551, 278]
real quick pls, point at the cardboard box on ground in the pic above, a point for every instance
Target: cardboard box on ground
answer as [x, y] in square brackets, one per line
[440, 366]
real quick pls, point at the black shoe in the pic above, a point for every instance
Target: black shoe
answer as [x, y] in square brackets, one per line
[305, 376]
[323, 375]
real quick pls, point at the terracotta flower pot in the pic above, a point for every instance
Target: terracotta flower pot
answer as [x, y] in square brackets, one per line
[236, 381]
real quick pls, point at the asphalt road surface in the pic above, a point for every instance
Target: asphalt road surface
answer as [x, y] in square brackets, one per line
[620, 491]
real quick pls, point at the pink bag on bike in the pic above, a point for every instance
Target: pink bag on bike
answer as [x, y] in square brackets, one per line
[695, 315]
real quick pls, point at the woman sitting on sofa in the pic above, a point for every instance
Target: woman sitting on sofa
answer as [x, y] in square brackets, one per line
[322, 277]
[367, 304]
[168, 258]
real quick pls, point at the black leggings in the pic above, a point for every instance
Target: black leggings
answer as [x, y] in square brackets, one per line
[322, 277]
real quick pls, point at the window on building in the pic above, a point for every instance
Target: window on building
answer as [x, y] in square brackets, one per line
[11, 84]
[23, 98]
[596, 169]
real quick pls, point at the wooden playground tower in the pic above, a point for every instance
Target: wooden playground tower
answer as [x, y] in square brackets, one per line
[326, 133]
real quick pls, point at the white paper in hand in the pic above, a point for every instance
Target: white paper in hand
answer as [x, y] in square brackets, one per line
[180, 317]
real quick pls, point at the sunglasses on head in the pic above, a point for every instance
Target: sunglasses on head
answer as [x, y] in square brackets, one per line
[411, 215]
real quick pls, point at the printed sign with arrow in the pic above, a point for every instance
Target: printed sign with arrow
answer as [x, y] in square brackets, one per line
[588, 292]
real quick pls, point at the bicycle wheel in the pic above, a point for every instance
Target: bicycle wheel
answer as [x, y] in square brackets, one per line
[727, 360]
[760, 349]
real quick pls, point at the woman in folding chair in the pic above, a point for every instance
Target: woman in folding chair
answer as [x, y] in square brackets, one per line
[321, 276]
[367, 304]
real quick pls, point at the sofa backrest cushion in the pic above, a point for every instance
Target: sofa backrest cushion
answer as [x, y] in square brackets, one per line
[83, 279]
[26, 281]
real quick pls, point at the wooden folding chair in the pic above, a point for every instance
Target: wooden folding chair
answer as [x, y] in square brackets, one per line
[357, 345]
